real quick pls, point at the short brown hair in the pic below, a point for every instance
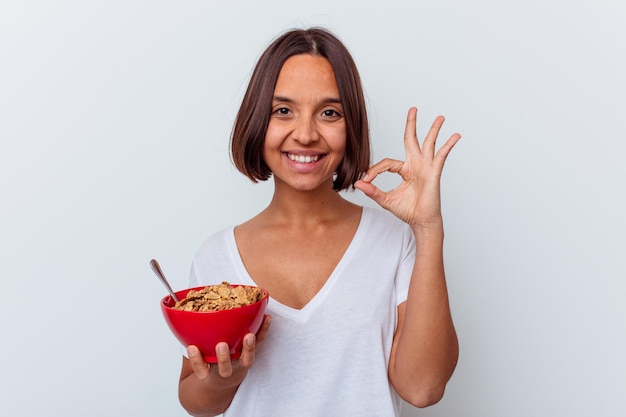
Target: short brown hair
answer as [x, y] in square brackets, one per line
[248, 135]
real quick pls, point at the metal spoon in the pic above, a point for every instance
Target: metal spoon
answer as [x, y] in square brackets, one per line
[157, 270]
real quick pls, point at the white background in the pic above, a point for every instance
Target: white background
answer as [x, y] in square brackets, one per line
[114, 125]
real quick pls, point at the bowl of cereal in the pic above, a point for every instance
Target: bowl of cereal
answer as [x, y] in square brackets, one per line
[205, 316]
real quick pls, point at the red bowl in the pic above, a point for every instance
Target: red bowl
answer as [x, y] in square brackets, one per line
[205, 329]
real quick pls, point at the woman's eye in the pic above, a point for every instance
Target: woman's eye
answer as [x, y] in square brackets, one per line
[281, 111]
[331, 113]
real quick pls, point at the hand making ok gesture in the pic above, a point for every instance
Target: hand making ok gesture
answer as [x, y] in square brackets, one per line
[417, 199]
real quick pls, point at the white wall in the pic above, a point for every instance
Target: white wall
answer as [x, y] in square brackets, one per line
[114, 121]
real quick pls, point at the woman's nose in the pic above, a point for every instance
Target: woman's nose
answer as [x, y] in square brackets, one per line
[305, 130]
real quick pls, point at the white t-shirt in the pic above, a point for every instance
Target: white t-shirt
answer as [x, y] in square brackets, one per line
[329, 358]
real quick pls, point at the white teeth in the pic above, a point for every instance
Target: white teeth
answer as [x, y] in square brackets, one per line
[303, 159]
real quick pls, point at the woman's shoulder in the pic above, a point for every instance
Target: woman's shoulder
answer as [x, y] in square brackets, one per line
[213, 259]
[383, 218]
[385, 228]
[216, 241]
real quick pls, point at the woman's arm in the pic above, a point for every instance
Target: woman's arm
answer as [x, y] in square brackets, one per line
[425, 346]
[200, 397]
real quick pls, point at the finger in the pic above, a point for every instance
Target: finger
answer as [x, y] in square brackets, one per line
[428, 147]
[444, 151]
[260, 335]
[224, 363]
[371, 191]
[385, 165]
[247, 352]
[199, 366]
[411, 144]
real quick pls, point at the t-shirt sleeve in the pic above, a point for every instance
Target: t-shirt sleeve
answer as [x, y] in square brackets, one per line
[405, 268]
[193, 277]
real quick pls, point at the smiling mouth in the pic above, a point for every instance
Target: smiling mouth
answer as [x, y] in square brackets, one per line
[304, 159]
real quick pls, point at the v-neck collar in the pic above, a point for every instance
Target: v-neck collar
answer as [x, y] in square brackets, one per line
[303, 314]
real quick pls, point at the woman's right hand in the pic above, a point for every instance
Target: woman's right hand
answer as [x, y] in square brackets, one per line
[217, 383]
[231, 372]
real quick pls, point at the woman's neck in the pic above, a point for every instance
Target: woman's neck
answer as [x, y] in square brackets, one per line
[307, 208]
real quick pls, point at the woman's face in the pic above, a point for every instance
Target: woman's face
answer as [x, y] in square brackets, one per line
[306, 136]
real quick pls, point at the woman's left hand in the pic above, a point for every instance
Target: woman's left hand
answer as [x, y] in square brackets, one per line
[417, 199]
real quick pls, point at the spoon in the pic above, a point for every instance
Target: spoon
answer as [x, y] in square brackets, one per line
[157, 270]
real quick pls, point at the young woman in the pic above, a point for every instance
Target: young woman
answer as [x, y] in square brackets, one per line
[359, 309]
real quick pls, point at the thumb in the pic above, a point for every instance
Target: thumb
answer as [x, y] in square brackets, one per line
[370, 190]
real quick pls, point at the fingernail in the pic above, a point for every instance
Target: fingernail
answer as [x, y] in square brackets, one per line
[221, 349]
[250, 341]
[192, 350]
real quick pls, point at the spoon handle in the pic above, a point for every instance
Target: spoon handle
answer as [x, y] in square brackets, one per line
[157, 270]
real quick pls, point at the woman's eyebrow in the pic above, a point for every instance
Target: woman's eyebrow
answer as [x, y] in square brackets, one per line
[282, 99]
[288, 100]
